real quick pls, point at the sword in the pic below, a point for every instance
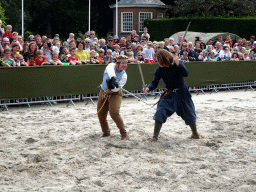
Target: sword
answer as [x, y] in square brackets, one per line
[137, 97]
[184, 35]
[142, 78]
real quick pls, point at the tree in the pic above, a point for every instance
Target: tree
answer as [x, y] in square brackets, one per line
[216, 7]
[2, 15]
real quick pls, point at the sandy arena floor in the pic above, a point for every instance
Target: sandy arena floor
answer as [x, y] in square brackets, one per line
[59, 148]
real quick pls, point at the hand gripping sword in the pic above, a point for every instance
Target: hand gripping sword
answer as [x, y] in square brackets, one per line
[144, 86]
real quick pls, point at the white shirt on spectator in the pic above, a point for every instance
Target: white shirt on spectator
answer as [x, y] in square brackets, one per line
[56, 49]
[148, 53]
[221, 52]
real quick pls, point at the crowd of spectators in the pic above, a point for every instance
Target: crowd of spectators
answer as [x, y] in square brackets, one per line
[41, 50]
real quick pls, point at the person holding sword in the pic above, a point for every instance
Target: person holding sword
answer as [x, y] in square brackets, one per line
[177, 97]
[110, 96]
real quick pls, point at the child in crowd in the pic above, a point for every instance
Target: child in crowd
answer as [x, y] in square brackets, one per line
[108, 58]
[212, 57]
[101, 55]
[73, 59]
[252, 55]
[63, 57]
[8, 32]
[234, 56]
[130, 57]
[20, 61]
[93, 59]
[55, 59]
[140, 58]
[241, 57]
[71, 37]
[145, 33]
[184, 57]
[7, 57]
[149, 52]
[31, 60]
[40, 59]
[116, 52]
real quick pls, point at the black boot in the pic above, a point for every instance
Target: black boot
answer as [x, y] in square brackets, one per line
[195, 135]
[158, 126]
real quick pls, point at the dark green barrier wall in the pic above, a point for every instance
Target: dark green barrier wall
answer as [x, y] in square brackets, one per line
[27, 82]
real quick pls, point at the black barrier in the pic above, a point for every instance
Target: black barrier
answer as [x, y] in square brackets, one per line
[28, 82]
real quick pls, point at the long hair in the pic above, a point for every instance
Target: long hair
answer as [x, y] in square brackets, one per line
[164, 57]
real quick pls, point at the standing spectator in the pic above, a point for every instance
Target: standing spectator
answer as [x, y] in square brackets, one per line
[32, 50]
[218, 50]
[101, 55]
[8, 32]
[20, 61]
[247, 46]
[241, 57]
[47, 49]
[252, 39]
[87, 46]
[93, 47]
[93, 58]
[116, 40]
[109, 45]
[31, 60]
[44, 38]
[82, 54]
[72, 44]
[184, 57]
[136, 39]
[220, 40]
[191, 53]
[102, 42]
[92, 36]
[176, 50]
[225, 55]
[56, 46]
[122, 44]
[200, 56]
[149, 53]
[229, 40]
[133, 33]
[71, 37]
[145, 33]
[25, 47]
[246, 56]
[138, 48]
[139, 58]
[39, 42]
[234, 56]
[128, 50]
[203, 46]
[116, 51]
[15, 51]
[179, 40]
[128, 39]
[212, 57]
[1, 30]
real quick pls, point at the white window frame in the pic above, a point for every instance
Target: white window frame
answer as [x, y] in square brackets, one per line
[141, 29]
[122, 23]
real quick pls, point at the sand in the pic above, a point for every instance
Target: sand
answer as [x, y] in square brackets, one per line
[59, 148]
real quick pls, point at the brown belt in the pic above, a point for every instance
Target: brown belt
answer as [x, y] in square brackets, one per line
[167, 92]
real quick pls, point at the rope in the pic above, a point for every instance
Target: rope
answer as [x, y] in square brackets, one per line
[107, 96]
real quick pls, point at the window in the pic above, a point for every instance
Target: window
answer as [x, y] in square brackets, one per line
[143, 16]
[127, 18]
[160, 15]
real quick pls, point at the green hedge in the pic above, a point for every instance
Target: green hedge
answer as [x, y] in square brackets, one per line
[162, 28]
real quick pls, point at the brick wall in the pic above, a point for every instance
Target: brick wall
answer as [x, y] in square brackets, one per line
[136, 11]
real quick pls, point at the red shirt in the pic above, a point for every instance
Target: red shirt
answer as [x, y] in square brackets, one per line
[31, 64]
[8, 35]
[38, 62]
[73, 58]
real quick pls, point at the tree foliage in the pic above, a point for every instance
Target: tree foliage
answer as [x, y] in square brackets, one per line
[216, 7]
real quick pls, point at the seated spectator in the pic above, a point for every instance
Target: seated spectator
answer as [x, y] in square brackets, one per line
[138, 48]
[93, 48]
[101, 55]
[82, 54]
[184, 56]
[72, 58]
[109, 45]
[108, 58]
[145, 33]
[246, 56]
[140, 58]
[130, 57]
[20, 61]
[202, 46]
[7, 57]
[93, 58]
[31, 60]
[15, 51]
[241, 57]
[200, 56]
[225, 55]
[8, 32]
[40, 59]
[55, 59]
[234, 56]
[149, 52]
[212, 57]
[116, 51]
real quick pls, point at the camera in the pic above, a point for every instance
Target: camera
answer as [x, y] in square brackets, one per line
[49, 44]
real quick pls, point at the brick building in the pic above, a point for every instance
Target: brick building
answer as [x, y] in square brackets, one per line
[132, 13]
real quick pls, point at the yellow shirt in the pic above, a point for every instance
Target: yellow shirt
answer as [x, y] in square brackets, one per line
[82, 55]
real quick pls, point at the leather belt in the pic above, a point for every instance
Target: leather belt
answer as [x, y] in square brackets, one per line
[167, 92]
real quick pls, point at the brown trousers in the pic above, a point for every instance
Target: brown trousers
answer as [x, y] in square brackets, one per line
[112, 104]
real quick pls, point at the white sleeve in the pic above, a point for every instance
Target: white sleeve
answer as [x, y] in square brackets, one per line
[121, 83]
[111, 70]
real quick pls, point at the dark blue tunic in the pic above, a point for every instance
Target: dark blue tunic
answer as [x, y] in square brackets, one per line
[179, 102]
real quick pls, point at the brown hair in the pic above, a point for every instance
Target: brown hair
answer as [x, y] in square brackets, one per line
[164, 57]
